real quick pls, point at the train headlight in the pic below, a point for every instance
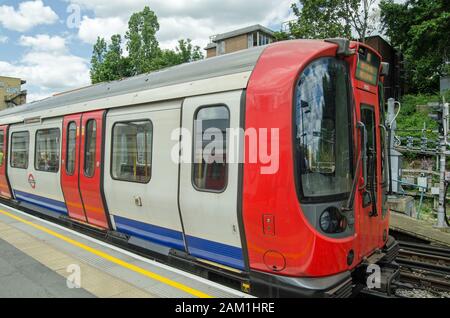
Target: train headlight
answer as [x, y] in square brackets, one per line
[331, 221]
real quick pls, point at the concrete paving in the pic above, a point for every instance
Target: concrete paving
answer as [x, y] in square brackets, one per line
[22, 276]
[418, 228]
[105, 271]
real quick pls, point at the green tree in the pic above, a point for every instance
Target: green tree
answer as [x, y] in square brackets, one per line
[361, 15]
[97, 61]
[318, 19]
[108, 62]
[142, 45]
[187, 52]
[117, 65]
[421, 30]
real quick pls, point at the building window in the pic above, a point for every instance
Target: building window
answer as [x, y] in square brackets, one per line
[2, 144]
[221, 48]
[71, 148]
[20, 142]
[210, 168]
[258, 39]
[132, 151]
[263, 39]
[47, 150]
[90, 147]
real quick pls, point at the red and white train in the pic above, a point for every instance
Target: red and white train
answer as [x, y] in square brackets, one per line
[101, 157]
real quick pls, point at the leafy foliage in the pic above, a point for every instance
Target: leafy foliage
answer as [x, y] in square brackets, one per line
[421, 30]
[142, 45]
[319, 19]
[411, 121]
[108, 62]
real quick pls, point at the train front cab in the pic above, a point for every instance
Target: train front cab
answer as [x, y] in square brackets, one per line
[326, 203]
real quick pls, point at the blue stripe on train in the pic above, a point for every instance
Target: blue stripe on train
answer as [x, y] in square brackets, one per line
[216, 252]
[153, 233]
[46, 203]
[208, 250]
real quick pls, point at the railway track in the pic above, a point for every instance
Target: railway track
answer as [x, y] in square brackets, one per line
[423, 268]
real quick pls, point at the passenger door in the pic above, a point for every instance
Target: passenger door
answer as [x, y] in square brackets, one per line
[70, 161]
[91, 177]
[208, 190]
[141, 176]
[5, 190]
[86, 156]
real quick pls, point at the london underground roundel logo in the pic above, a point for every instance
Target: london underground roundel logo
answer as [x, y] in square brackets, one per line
[31, 181]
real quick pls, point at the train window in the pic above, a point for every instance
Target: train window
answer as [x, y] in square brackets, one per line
[90, 147]
[46, 156]
[210, 168]
[71, 147]
[323, 142]
[132, 151]
[2, 144]
[20, 142]
[368, 118]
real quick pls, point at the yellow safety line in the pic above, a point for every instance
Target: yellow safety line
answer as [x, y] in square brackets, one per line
[112, 259]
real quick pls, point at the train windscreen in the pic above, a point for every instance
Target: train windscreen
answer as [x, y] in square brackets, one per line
[323, 130]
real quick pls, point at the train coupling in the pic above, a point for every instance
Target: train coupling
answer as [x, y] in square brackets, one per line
[379, 272]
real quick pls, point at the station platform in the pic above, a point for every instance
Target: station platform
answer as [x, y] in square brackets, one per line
[420, 229]
[41, 259]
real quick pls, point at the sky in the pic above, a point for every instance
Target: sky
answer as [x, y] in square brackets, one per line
[49, 42]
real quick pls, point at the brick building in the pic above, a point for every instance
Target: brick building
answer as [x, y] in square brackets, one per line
[255, 35]
[393, 83]
[11, 93]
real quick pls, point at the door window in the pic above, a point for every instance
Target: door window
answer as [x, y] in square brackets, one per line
[2, 144]
[90, 147]
[210, 168]
[71, 148]
[368, 118]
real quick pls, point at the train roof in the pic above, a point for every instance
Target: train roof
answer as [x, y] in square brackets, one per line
[228, 64]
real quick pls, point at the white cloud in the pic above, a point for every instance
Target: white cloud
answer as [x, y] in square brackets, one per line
[28, 15]
[3, 39]
[197, 20]
[90, 28]
[47, 66]
[44, 42]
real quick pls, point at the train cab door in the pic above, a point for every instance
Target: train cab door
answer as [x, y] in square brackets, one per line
[82, 158]
[70, 161]
[371, 195]
[5, 189]
[91, 172]
[366, 72]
